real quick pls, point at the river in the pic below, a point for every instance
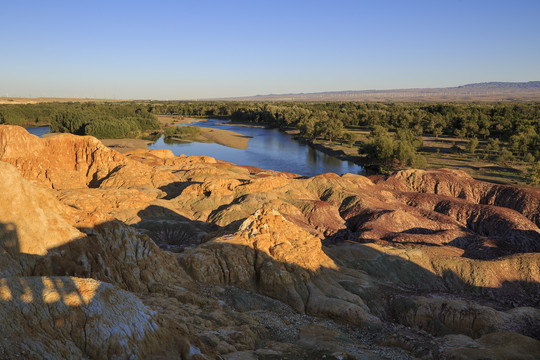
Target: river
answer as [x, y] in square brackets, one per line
[267, 149]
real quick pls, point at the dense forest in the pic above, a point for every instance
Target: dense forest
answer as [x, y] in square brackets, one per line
[508, 131]
[508, 127]
[99, 120]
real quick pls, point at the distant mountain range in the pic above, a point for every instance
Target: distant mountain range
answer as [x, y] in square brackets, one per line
[489, 91]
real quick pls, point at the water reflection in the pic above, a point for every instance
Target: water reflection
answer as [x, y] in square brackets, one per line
[312, 155]
[39, 131]
[267, 149]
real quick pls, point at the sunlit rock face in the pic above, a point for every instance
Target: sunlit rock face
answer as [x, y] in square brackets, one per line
[148, 255]
[32, 215]
[69, 162]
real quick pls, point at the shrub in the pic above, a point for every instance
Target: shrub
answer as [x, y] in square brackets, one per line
[349, 138]
[534, 173]
[528, 158]
[70, 121]
[505, 156]
[103, 122]
[472, 145]
[182, 132]
[107, 127]
[147, 122]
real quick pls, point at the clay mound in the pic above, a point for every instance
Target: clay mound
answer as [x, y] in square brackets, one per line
[506, 231]
[66, 317]
[443, 316]
[458, 184]
[67, 161]
[37, 239]
[32, 215]
[495, 346]
[270, 255]
[495, 220]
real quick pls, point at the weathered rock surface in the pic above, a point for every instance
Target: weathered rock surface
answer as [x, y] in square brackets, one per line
[274, 257]
[459, 184]
[67, 317]
[417, 264]
[69, 162]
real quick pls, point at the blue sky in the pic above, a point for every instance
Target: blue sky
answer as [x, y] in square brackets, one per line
[201, 49]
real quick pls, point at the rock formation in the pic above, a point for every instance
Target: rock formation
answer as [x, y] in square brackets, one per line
[148, 255]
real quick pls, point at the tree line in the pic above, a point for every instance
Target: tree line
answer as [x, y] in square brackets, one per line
[108, 120]
[507, 130]
[515, 125]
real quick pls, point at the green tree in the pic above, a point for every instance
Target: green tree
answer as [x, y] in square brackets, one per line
[328, 129]
[437, 131]
[379, 148]
[307, 127]
[404, 152]
[534, 173]
[406, 145]
[349, 138]
[528, 158]
[493, 146]
[472, 145]
[505, 156]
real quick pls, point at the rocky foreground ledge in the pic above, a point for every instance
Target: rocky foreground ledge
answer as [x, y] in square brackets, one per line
[151, 256]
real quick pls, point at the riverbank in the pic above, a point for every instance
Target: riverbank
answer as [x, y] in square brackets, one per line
[438, 154]
[226, 138]
[212, 135]
[124, 145]
[208, 135]
[340, 152]
[178, 120]
[222, 137]
[120, 145]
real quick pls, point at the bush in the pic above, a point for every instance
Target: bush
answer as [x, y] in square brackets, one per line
[455, 147]
[109, 128]
[182, 132]
[534, 173]
[147, 122]
[472, 145]
[529, 158]
[70, 121]
[103, 121]
[27, 115]
[505, 156]
[381, 149]
[349, 138]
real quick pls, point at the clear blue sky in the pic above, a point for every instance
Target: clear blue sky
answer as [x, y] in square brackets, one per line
[202, 48]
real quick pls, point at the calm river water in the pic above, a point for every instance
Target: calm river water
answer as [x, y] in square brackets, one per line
[267, 149]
